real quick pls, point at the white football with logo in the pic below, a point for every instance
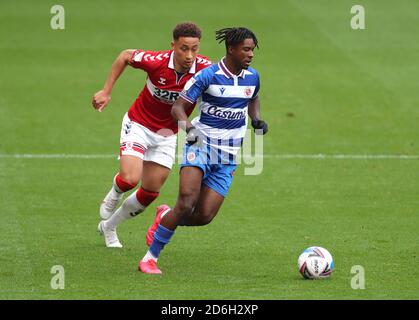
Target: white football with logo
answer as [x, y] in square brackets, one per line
[315, 263]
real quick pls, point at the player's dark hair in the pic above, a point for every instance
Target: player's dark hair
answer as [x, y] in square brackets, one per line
[233, 36]
[186, 29]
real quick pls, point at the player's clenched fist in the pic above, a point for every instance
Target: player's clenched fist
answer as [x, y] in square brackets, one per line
[100, 100]
[260, 126]
[192, 136]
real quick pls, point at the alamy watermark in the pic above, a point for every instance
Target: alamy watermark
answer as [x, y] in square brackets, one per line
[58, 19]
[358, 279]
[216, 148]
[58, 279]
[358, 20]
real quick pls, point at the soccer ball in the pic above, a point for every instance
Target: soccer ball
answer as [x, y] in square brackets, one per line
[315, 263]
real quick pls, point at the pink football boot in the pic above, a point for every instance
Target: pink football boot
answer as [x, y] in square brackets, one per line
[149, 267]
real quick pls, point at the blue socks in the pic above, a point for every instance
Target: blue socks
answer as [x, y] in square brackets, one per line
[161, 238]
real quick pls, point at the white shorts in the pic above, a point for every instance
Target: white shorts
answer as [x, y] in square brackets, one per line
[139, 141]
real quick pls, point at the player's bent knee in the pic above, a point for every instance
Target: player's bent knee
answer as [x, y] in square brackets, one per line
[185, 208]
[186, 205]
[131, 179]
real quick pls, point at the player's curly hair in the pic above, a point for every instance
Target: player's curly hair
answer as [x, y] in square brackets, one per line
[233, 36]
[186, 29]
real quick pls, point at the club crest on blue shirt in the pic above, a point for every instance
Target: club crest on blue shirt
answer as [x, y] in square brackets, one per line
[191, 156]
[248, 92]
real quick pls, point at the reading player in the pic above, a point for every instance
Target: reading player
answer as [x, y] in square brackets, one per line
[229, 92]
[148, 134]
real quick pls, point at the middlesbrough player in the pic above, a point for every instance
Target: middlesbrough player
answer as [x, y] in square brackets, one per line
[148, 133]
[229, 93]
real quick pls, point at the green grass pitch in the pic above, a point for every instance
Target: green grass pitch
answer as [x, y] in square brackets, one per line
[326, 89]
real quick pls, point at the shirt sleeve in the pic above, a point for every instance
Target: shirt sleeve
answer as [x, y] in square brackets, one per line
[256, 92]
[196, 86]
[145, 60]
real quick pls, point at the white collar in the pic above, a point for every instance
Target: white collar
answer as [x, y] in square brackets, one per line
[172, 64]
[228, 73]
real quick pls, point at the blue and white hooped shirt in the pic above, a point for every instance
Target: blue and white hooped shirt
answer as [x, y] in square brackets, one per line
[223, 107]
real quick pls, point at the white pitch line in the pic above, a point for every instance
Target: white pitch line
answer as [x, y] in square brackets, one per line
[268, 156]
[344, 156]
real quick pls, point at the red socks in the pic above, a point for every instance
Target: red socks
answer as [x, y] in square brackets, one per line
[122, 184]
[146, 197]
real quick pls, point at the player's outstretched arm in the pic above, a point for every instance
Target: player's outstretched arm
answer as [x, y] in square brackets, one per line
[102, 97]
[254, 114]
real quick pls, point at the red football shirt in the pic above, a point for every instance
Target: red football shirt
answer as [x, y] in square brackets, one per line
[153, 106]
